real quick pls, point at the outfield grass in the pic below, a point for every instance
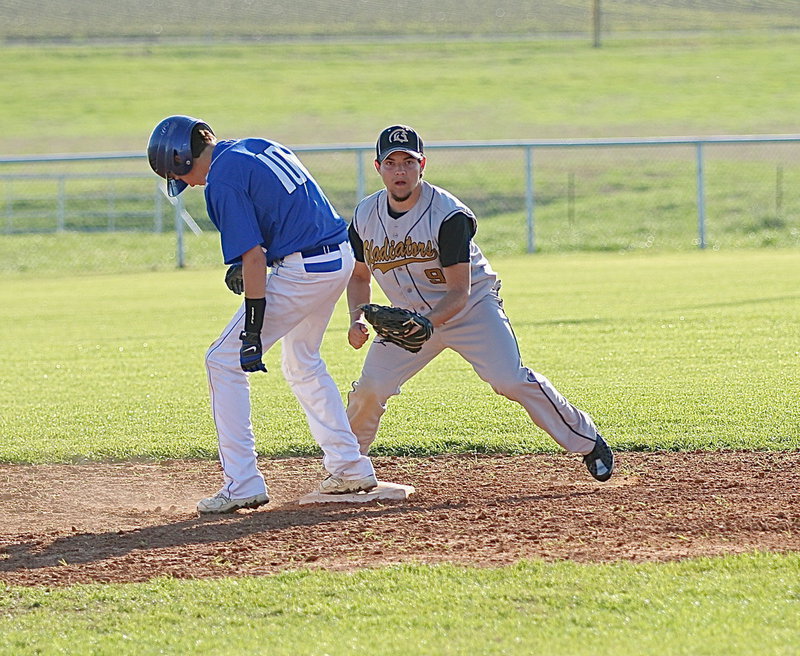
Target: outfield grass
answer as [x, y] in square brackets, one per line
[102, 98]
[739, 606]
[682, 351]
[323, 93]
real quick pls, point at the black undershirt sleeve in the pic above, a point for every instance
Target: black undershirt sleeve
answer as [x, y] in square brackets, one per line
[455, 235]
[356, 243]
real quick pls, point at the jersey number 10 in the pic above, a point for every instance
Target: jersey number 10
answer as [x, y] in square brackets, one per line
[285, 166]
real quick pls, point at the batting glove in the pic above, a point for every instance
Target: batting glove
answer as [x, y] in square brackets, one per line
[250, 352]
[234, 279]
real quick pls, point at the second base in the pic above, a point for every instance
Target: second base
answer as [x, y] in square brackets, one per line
[392, 491]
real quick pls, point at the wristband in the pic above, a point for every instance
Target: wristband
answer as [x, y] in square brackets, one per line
[254, 314]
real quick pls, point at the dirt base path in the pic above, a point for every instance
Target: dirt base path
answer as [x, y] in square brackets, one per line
[64, 524]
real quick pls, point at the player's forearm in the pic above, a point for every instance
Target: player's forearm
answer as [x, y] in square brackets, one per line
[254, 272]
[359, 292]
[451, 304]
[455, 298]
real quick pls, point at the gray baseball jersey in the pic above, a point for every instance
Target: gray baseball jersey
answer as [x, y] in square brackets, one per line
[403, 253]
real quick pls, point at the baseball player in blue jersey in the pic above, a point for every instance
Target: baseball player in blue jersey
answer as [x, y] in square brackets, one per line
[416, 240]
[288, 252]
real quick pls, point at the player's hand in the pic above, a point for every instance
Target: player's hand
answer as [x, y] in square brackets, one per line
[358, 334]
[234, 279]
[250, 352]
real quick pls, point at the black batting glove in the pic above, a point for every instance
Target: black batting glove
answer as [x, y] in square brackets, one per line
[234, 279]
[250, 353]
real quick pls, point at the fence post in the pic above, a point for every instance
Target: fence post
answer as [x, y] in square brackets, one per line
[9, 205]
[61, 211]
[179, 232]
[360, 177]
[529, 199]
[159, 209]
[112, 207]
[596, 19]
[571, 199]
[701, 193]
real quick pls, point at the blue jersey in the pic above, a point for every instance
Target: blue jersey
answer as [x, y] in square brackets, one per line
[258, 193]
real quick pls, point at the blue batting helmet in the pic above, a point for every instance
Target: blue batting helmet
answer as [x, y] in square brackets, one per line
[170, 149]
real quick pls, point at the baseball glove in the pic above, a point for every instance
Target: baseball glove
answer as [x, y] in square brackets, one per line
[405, 328]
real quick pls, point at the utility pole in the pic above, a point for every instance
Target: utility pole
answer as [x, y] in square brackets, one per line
[596, 22]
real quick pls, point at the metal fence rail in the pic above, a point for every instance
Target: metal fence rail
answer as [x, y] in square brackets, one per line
[560, 191]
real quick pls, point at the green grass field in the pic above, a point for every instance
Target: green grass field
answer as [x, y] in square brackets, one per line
[657, 348]
[103, 339]
[742, 605]
[684, 351]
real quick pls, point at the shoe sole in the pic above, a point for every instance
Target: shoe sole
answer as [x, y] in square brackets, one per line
[602, 477]
[253, 503]
[353, 491]
[593, 470]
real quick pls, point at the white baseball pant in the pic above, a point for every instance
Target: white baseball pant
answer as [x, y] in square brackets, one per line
[299, 306]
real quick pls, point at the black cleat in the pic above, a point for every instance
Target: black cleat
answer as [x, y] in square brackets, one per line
[600, 461]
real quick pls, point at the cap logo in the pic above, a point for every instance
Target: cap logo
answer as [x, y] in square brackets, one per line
[398, 135]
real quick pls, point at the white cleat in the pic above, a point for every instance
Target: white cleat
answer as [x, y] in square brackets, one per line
[220, 504]
[335, 485]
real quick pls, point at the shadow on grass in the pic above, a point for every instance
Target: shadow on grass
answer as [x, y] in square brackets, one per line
[740, 303]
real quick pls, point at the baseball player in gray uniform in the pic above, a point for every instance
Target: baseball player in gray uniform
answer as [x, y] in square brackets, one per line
[416, 240]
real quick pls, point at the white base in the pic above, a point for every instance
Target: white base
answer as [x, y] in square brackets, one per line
[393, 491]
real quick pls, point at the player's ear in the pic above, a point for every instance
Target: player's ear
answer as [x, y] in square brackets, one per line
[422, 164]
[377, 166]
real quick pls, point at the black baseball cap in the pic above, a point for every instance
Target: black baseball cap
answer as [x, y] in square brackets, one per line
[399, 137]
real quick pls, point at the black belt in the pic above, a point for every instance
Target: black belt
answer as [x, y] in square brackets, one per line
[320, 250]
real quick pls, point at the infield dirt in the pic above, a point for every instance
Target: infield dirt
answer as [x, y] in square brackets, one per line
[65, 524]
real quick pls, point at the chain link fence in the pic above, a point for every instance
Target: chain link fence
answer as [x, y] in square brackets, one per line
[168, 20]
[543, 196]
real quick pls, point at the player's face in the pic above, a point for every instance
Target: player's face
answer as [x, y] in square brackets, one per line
[195, 177]
[401, 173]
